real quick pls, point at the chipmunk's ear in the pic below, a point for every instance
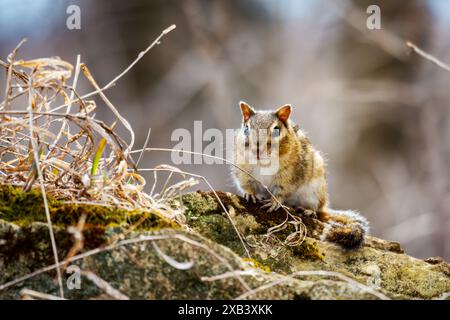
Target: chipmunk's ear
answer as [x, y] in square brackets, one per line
[246, 110]
[284, 112]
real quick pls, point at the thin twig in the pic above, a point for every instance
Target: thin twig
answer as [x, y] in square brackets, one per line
[386, 40]
[428, 56]
[124, 243]
[171, 261]
[105, 99]
[72, 94]
[241, 239]
[41, 183]
[139, 57]
[266, 188]
[144, 146]
[28, 293]
[271, 284]
[10, 71]
[104, 285]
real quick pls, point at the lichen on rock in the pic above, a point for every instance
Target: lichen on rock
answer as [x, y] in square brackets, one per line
[379, 263]
[220, 268]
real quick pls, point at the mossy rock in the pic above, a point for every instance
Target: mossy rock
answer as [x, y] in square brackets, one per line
[379, 263]
[140, 270]
[23, 208]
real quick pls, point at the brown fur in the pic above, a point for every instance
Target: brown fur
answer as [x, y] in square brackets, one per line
[300, 180]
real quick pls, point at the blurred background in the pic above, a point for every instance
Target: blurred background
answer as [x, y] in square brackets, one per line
[380, 115]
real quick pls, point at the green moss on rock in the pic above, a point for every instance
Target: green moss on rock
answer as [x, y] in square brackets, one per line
[140, 272]
[23, 208]
[308, 250]
[194, 204]
[380, 263]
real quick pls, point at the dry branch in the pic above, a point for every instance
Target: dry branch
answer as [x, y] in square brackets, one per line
[428, 56]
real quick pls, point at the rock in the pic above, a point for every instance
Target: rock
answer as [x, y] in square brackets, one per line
[206, 259]
[379, 263]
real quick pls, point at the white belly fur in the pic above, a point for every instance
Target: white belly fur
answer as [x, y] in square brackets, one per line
[263, 178]
[307, 196]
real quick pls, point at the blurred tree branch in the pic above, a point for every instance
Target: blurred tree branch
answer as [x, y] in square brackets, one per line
[428, 56]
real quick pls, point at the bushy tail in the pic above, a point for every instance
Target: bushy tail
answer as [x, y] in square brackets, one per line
[344, 227]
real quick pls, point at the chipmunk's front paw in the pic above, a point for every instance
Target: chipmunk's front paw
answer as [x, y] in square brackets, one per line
[271, 205]
[250, 197]
[308, 213]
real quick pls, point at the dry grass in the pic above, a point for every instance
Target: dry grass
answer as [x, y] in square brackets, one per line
[71, 155]
[60, 145]
[67, 153]
[51, 139]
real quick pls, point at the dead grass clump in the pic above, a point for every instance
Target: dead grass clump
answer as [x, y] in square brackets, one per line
[67, 153]
[49, 130]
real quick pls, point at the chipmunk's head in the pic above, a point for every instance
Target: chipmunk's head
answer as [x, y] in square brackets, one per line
[264, 130]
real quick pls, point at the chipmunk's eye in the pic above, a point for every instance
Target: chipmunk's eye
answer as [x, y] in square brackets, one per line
[246, 130]
[276, 131]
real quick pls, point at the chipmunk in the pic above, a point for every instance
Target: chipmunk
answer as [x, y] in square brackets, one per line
[299, 178]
